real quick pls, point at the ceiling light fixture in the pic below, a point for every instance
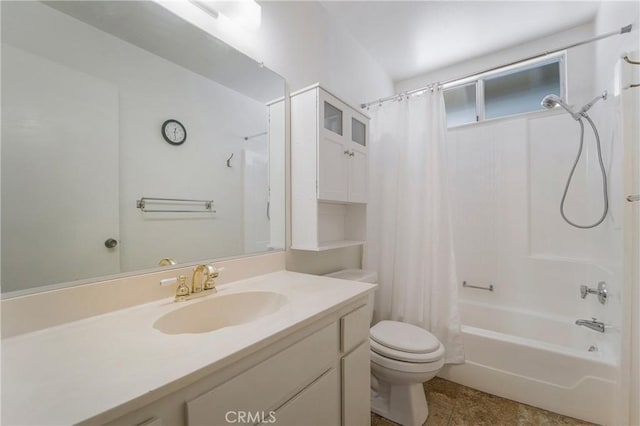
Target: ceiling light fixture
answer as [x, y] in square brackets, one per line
[246, 13]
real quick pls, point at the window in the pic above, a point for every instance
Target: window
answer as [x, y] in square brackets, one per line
[460, 104]
[504, 92]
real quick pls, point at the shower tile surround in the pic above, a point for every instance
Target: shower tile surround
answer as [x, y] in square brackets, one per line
[453, 404]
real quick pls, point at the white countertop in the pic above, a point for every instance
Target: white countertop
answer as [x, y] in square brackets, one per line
[74, 372]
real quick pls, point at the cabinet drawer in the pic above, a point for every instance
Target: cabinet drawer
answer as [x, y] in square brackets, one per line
[317, 405]
[268, 384]
[354, 328]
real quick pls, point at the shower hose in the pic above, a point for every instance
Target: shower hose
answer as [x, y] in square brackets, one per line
[573, 169]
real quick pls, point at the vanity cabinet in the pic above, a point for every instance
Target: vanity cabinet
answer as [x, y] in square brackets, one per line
[281, 383]
[329, 168]
[318, 377]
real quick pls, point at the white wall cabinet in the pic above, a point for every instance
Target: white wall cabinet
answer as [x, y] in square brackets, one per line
[342, 150]
[313, 378]
[329, 168]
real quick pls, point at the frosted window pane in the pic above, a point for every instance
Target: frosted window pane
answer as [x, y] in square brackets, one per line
[358, 132]
[520, 91]
[460, 103]
[332, 118]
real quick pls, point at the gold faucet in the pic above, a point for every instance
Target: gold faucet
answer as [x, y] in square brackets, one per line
[196, 279]
[202, 283]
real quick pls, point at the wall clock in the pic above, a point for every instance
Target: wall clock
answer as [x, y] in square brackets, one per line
[174, 132]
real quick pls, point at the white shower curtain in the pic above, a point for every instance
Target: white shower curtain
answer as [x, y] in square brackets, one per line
[410, 241]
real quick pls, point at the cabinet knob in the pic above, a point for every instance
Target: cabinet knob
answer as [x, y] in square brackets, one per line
[351, 154]
[347, 152]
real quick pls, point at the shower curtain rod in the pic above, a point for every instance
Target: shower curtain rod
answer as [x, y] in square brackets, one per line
[622, 30]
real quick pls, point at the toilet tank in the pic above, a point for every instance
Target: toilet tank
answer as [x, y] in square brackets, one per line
[362, 275]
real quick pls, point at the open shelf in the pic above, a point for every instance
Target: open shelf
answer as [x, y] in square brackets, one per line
[330, 245]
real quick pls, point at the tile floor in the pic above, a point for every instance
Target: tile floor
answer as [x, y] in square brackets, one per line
[451, 404]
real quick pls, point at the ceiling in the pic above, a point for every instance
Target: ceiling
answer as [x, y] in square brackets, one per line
[409, 38]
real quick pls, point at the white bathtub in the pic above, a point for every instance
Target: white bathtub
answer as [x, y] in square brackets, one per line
[538, 360]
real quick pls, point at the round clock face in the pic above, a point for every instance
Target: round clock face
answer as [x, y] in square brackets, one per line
[174, 132]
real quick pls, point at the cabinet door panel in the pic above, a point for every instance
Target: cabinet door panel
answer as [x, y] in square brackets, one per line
[354, 328]
[332, 168]
[358, 174]
[356, 387]
[317, 405]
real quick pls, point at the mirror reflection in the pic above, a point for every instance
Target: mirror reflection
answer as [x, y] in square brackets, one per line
[131, 138]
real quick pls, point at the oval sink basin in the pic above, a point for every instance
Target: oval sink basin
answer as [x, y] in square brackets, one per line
[218, 312]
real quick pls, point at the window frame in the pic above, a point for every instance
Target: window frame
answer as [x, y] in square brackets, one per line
[560, 58]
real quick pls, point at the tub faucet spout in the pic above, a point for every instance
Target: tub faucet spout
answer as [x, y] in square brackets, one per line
[593, 324]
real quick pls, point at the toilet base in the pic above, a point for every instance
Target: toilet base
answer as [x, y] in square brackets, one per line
[404, 404]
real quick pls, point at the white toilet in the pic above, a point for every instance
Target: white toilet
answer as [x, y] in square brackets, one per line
[403, 356]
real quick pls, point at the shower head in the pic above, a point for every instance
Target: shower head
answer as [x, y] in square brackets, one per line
[552, 101]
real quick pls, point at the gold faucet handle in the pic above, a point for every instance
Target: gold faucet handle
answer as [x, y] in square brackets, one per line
[183, 290]
[212, 272]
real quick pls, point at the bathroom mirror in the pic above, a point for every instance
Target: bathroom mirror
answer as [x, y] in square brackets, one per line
[90, 186]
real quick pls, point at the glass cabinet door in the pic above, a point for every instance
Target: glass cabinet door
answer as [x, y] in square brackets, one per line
[332, 118]
[358, 132]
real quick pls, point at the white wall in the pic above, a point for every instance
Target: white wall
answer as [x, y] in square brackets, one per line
[149, 90]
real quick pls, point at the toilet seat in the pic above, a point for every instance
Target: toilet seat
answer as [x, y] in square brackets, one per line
[405, 342]
[406, 367]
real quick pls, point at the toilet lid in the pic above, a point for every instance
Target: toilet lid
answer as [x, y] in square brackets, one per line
[404, 337]
[407, 357]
